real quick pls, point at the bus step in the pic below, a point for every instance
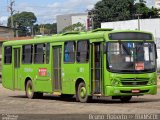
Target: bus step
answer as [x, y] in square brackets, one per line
[57, 93]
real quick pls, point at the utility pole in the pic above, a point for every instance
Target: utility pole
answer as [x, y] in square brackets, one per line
[138, 15]
[90, 19]
[11, 11]
[16, 30]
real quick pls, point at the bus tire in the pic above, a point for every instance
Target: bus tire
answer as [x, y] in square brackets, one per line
[125, 98]
[77, 98]
[29, 90]
[82, 93]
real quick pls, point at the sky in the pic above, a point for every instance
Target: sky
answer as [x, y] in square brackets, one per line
[47, 10]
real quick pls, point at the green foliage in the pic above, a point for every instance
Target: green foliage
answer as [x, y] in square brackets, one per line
[75, 27]
[47, 29]
[23, 22]
[51, 28]
[141, 8]
[117, 10]
[112, 10]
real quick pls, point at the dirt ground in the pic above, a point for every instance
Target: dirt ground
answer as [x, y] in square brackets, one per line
[15, 102]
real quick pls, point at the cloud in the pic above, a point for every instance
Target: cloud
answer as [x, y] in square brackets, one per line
[89, 7]
[3, 20]
[46, 13]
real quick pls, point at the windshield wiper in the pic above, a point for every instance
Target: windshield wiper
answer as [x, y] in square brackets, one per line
[125, 49]
[139, 46]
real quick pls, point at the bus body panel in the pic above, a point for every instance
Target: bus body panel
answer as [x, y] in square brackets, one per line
[7, 73]
[7, 80]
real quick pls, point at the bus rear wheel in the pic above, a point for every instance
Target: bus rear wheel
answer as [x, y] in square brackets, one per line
[125, 98]
[82, 95]
[30, 91]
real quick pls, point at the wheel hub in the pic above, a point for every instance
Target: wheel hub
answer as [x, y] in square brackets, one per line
[83, 92]
[29, 90]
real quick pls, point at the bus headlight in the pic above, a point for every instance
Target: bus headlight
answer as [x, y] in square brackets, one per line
[152, 82]
[115, 82]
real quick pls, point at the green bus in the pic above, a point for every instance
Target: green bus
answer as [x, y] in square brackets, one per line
[102, 62]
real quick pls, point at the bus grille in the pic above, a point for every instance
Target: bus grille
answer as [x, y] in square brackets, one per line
[134, 81]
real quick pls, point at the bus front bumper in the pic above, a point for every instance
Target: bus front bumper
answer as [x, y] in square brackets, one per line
[123, 91]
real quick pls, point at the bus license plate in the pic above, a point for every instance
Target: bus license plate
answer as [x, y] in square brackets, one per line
[135, 91]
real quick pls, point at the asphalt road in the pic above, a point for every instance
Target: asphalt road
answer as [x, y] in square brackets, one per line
[15, 102]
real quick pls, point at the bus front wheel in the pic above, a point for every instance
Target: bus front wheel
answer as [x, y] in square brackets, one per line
[125, 98]
[82, 95]
[30, 91]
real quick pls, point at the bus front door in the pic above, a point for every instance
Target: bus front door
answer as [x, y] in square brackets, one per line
[57, 51]
[16, 68]
[96, 68]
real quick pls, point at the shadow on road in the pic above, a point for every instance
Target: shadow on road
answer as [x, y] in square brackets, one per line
[104, 100]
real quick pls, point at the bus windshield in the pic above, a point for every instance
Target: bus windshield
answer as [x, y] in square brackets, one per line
[131, 56]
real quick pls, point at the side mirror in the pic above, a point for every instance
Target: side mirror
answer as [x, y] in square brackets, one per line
[155, 48]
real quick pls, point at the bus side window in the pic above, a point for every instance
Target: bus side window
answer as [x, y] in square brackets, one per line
[69, 52]
[39, 52]
[82, 51]
[8, 55]
[27, 54]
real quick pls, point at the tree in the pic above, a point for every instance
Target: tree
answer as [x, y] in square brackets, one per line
[23, 22]
[36, 29]
[112, 10]
[117, 10]
[141, 8]
[75, 27]
[50, 28]
[47, 28]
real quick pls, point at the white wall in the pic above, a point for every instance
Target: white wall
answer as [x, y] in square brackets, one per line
[121, 25]
[80, 18]
[150, 25]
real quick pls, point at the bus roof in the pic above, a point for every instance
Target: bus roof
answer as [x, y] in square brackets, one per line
[69, 36]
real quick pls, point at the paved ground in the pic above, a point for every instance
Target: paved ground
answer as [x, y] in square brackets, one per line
[15, 102]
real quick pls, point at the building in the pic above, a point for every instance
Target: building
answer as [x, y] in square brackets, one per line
[157, 4]
[70, 19]
[5, 34]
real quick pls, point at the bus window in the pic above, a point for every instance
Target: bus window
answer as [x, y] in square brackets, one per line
[47, 52]
[39, 52]
[82, 51]
[27, 54]
[8, 55]
[69, 52]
